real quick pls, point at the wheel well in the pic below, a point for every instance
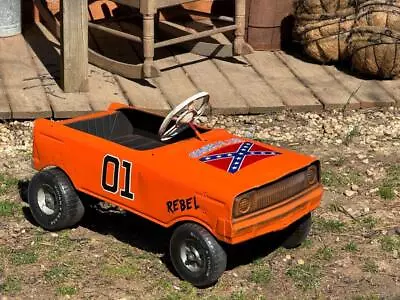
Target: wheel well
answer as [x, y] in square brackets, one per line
[61, 169]
[181, 222]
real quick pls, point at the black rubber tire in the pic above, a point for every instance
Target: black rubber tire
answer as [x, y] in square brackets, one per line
[297, 232]
[213, 255]
[67, 208]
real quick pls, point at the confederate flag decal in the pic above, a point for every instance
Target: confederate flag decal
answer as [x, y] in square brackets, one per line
[234, 157]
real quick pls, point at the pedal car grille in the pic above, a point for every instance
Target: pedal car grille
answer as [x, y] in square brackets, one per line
[275, 192]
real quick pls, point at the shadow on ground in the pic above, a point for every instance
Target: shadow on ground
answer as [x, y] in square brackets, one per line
[140, 233]
[295, 49]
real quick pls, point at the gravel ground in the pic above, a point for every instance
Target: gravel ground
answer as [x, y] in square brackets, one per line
[375, 129]
[16, 148]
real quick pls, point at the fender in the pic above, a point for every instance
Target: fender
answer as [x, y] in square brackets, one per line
[184, 219]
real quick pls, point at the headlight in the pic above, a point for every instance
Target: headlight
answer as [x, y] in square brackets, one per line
[312, 174]
[243, 205]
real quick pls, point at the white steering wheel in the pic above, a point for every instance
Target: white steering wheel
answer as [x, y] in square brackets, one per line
[184, 113]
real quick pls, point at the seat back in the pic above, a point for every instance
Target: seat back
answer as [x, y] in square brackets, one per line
[108, 127]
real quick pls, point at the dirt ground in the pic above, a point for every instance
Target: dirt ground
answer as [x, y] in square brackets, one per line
[352, 251]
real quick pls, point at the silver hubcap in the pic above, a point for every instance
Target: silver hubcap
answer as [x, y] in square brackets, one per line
[46, 200]
[191, 257]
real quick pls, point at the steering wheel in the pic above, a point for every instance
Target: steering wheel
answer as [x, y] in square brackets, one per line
[184, 113]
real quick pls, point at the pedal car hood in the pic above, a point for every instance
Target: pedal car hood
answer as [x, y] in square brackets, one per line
[225, 165]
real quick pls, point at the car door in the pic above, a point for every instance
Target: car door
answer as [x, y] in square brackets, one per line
[106, 170]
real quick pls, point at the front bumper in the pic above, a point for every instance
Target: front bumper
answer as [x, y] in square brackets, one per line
[274, 218]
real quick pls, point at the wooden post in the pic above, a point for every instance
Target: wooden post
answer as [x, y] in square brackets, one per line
[147, 9]
[148, 44]
[240, 11]
[36, 14]
[74, 46]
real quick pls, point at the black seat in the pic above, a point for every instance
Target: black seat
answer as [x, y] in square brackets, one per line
[137, 141]
[117, 128]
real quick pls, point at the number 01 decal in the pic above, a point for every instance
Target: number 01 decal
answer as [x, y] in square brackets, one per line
[112, 162]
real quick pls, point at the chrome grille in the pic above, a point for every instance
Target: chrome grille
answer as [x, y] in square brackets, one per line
[281, 190]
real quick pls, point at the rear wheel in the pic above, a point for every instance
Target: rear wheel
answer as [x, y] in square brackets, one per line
[297, 232]
[53, 201]
[196, 255]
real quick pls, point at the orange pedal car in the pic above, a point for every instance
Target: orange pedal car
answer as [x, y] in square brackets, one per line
[209, 186]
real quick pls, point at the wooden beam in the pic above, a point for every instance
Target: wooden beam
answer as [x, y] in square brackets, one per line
[194, 36]
[74, 46]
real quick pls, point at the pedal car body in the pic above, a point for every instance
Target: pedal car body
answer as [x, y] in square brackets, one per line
[234, 188]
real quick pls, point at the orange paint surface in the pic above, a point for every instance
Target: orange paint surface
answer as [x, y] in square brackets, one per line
[168, 185]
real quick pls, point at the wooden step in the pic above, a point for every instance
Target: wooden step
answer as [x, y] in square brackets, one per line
[174, 84]
[21, 81]
[368, 92]
[279, 77]
[224, 99]
[248, 84]
[103, 88]
[392, 87]
[45, 53]
[143, 93]
[324, 86]
[259, 96]
[5, 110]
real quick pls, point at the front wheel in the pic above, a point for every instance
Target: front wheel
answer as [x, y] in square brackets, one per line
[53, 200]
[297, 232]
[196, 255]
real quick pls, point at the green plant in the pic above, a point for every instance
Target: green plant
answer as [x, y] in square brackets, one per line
[127, 271]
[367, 297]
[370, 266]
[164, 284]
[330, 178]
[239, 295]
[260, 274]
[187, 288]
[369, 222]
[23, 257]
[11, 285]
[306, 244]
[386, 192]
[304, 276]
[172, 296]
[355, 131]
[7, 183]
[390, 243]
[340, 161]
[66, 290]
[345, 177]
[328, 225]
[324, 253]
[8, 208]
[351, 247]
[57, 273]
[63, 241]
[392, 181]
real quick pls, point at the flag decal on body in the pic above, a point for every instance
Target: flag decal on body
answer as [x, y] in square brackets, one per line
[235, 157]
